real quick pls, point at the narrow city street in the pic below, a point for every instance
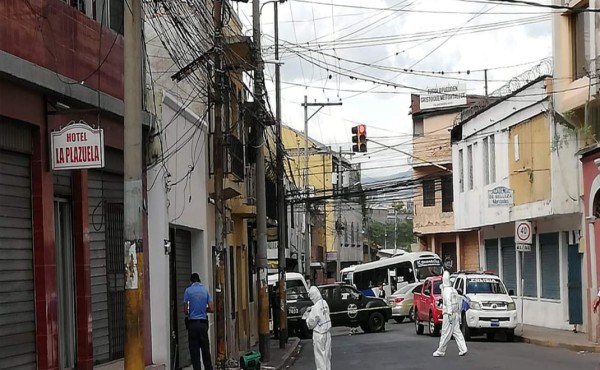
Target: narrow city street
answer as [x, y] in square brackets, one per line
[400, 348]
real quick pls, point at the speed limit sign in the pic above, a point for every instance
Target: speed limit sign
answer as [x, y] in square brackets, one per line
[523, 233]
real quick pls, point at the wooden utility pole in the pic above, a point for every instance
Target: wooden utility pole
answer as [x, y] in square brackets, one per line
[261, 201]
[133, 204]
[220, 217]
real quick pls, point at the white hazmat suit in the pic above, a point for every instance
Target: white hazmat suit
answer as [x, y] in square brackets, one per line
[451, 323]
[318, 320]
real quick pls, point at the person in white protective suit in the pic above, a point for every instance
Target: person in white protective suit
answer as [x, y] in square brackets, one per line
[318, 320]
[451, 323]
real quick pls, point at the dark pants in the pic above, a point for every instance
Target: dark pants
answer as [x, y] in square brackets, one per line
[198, 341]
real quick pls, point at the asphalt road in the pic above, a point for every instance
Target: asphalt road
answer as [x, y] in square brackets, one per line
[400, 348]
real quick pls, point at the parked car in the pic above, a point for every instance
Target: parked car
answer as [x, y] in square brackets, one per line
[297, 302]
[402, 302]
[349, 307]
[487, 306]
[428, 306]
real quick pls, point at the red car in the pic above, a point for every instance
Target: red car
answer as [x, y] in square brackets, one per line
[427, 305]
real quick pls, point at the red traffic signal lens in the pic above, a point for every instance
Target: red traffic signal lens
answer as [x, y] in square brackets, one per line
[362, 129]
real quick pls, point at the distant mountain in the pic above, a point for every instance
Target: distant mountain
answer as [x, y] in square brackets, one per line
[374, 179]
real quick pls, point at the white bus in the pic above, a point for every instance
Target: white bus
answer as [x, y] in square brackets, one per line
[346, 274]
[395, 272]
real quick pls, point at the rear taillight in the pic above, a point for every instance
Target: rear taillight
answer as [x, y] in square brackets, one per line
[398, 300]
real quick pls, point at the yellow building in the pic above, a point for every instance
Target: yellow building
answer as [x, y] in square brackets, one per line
[335, 221]
[433, 221]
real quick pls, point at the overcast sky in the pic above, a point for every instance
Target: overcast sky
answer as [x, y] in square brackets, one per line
[376, 40]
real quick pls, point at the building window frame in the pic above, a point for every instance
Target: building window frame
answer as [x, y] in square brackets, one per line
[447, 194]
[579, 27]
[429, 193]
[461, 171]
[470, 167]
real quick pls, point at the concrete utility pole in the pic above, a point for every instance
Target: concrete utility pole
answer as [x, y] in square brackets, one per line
[395, 231]
[133, 204]
[261, 201]
[307, 253]
[220, 217]
[338, 262]
[282, 237]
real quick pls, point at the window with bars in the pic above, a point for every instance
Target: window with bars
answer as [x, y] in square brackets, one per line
[447, 194]
[461, 171]
[486, 163]
[429, 193]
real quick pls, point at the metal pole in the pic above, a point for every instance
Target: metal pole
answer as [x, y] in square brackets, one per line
[338, 263]
[133, 204]
[485, 76]
[281, 204]
[220, 219]
[307, 256]
[395, 231]
[261, 203]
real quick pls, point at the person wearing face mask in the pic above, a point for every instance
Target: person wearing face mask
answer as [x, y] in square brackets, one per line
[451, 323]
[318, 320]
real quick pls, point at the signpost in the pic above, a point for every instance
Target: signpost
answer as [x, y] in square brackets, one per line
[77, 146]
[523, 240]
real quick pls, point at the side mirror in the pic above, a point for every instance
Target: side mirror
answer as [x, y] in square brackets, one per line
[427, 292]
[459, 291]
[511, 292]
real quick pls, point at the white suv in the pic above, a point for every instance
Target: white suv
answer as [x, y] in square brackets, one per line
[487, 306]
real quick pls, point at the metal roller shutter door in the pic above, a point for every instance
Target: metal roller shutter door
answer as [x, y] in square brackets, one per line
[105, 207]
[491, 255]
[17, 307]
[183, 268]
[509, 263]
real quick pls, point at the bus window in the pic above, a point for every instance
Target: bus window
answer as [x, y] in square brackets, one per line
[405, 273]
[428, 267]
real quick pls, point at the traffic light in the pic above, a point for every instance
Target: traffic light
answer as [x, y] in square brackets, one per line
[359, 138]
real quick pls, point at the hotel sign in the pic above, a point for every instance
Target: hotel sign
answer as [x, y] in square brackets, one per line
[500, 196]
[77, 146]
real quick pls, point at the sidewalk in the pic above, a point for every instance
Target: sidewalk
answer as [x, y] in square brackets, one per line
[281, 357]
[556, 338]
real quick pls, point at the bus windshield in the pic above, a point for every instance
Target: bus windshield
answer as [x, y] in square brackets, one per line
[485, 286]
[428, 267]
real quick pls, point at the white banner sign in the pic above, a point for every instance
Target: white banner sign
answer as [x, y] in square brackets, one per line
[500, 196]
[77, 146]
[447, 96]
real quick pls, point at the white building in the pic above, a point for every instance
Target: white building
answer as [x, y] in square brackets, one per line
[512, 161]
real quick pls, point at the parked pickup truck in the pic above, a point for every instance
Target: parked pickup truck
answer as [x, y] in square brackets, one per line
[428, 306]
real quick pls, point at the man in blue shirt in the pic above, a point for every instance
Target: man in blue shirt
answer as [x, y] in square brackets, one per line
[196, 304]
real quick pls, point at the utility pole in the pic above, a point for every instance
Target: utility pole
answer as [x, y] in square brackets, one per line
[261, 201]
[338, 263]
[220, 219]
[133, 204]
[395, 231]
[307, 247]
[282, 237]
[486, 82]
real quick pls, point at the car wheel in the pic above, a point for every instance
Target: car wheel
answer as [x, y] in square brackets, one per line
[434, 330]
[418, 326]
[510, 335]
[466, 331]
[411, 315]
[304, 332]
[490, 336]
[399, 319]
[376, 322]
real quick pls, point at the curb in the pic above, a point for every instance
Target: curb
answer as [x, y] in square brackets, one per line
[548, 343]
[288, 357]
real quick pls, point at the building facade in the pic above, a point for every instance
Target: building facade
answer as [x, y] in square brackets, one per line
[517, 163]
[433, 220]
[576, 104]
[62, 230]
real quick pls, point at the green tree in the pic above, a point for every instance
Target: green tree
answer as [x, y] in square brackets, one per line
[405, 236]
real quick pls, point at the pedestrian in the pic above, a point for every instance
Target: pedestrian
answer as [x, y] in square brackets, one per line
[318, 320]
[381, 291]
[197, 303]
[451, 323]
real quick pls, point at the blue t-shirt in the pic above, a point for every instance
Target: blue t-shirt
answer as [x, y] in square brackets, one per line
[198, 298]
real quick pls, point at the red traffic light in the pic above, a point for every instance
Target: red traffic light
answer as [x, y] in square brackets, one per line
[359, 136]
